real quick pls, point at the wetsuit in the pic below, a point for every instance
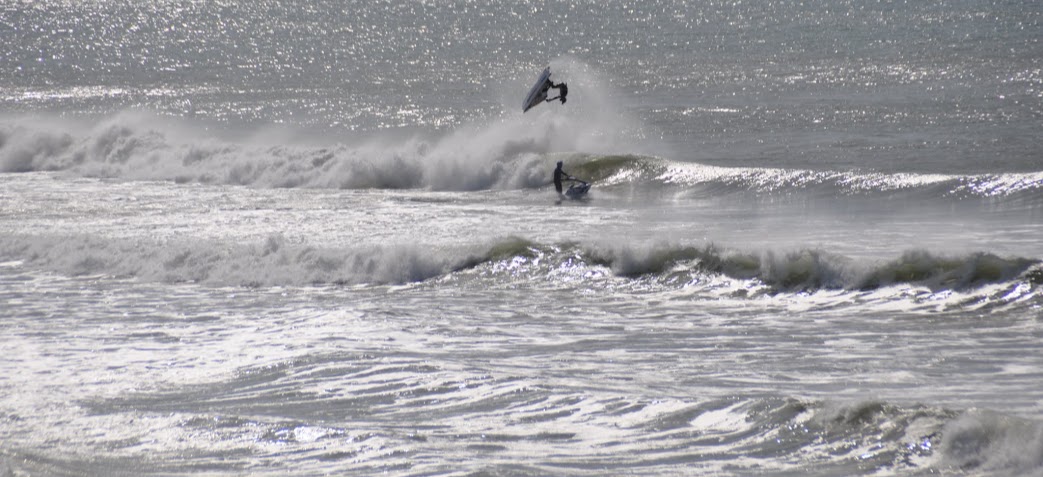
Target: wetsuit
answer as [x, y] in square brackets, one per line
[563, 90]
[559, 175]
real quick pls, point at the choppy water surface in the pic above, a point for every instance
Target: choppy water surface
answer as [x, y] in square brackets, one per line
[175, 321]
[319, 238]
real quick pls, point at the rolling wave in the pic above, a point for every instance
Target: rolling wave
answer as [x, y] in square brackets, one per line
[277, 262]
[135, 146]
[272, 263]
[628, 169]
[515, 153]
[811, 269]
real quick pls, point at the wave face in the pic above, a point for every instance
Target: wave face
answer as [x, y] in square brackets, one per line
[137, 146]
[714, 179]
[140, 147]
[279, 262]
[814, 270]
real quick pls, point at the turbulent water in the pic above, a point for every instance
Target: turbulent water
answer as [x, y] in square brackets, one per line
[318, 238]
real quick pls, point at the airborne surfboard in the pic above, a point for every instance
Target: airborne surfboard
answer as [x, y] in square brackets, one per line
[538, 93]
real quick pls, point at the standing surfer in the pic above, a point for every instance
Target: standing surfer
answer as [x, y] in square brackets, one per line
[560, 175]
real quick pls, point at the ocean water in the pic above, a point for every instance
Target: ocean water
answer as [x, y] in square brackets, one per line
[318, 238]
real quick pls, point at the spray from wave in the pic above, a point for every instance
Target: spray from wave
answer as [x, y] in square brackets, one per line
[514, 152]
[506, 153]
[135, 146]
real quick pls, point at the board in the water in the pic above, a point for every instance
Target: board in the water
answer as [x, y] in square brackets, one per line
[537, 94]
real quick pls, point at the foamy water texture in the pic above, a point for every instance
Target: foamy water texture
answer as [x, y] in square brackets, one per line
[372, 336]
[318, 238]
[220, 306]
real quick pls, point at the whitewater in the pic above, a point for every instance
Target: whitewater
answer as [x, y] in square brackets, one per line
[319, 238]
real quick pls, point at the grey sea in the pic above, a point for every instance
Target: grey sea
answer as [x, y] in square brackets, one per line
[310, 237]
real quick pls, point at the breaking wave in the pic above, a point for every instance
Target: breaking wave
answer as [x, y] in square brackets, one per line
[628, 169]
[811, 269]
[278, 262]
[275, 262]
[516, 152]
[140, 147]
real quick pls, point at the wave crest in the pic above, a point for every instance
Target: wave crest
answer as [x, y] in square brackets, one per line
[515, 152]
[140, 147]
[664, 173]
[810, 269]
[277, 261]
[274, 262]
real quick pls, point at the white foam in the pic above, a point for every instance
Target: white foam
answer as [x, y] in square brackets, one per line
[506, 153]
[274, 262]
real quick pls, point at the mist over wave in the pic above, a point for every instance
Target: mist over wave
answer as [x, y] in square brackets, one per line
[516, 152]
[137, 146]
[506, 153]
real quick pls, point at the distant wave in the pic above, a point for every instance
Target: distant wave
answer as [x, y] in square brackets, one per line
[279, 262]
[516, 153]
[274, 262]
[624, 169]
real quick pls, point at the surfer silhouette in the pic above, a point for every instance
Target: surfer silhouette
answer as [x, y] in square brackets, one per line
[560, 175]
[563, 90]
